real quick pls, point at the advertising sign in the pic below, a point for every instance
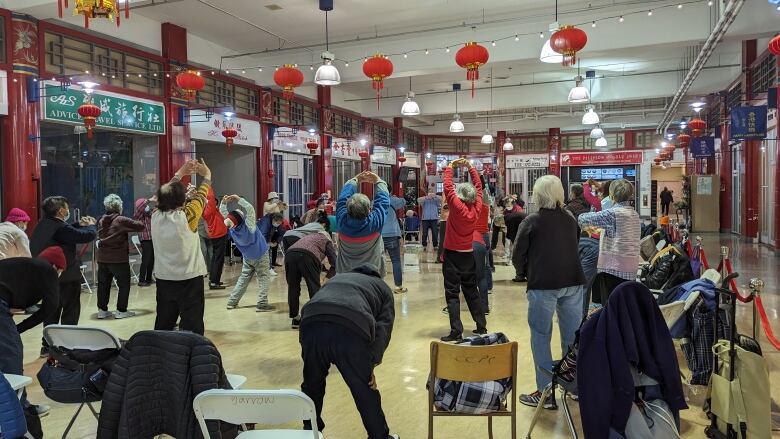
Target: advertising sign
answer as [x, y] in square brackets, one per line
[748, 123]
[703, 147]
[601, 158]
[515, 161]
[294, 140]
[345, 149]
[201, 129]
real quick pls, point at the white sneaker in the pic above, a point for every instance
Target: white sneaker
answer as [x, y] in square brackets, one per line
[123, 315]
[394, 436]
[272, 272]
[104, 314]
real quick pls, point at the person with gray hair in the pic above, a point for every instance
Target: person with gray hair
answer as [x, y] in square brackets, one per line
[113, 257]
[546, 252]
[460, 272]
[620, 230]
[360, 225]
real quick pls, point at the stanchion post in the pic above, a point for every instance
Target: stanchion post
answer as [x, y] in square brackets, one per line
[724, 255]
[756, 285]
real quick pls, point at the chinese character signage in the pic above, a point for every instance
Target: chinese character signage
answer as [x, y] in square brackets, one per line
[601, 158]
[345, 149]
[201, 129]
[295, 140]
[703, 147]
[748, 123]
[117, 111]
[515, 161]
[383, 155]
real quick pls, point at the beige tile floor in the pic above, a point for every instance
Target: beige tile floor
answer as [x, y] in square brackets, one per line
[265, 349]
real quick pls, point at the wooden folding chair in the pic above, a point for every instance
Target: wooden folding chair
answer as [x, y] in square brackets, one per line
[468, 363]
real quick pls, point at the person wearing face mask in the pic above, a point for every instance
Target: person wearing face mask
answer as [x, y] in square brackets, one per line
[143, 212]
[13, 241]
[55, 230]
[23, 283]
[270, 226]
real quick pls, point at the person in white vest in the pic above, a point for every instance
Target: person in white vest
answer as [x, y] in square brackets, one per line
[178, 264]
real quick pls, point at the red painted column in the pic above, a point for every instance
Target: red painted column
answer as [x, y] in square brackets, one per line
[725, 178]
[323, 162]
[175, 147]
[750, 153]
[501, 171]
[777, 189]
[395, 185]
[21, 155]
[265, 180]
[554, 150]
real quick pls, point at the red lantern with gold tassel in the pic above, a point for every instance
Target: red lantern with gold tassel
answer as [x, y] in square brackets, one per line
[471, 57]
[288, 77]
[229, 134]
[684, 140]
[401, 160]
[568, 41]
[774, 45]
[190, 82]
[312, 147]
[697, 127]
[89, 112]
[378, 67]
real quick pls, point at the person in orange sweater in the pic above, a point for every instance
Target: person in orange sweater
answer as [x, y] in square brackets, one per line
[217, 240]
[465, 203]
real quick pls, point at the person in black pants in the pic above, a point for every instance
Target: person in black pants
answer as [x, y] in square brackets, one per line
[143, 212]
[54, 230]
[304, 260]
[666, 199]
[348, 323]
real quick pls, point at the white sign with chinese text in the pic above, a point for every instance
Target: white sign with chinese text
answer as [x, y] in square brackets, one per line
[345, 149]
[383, 155]
[295, 140]
[516, 161]
[412, 160]
[201, 129]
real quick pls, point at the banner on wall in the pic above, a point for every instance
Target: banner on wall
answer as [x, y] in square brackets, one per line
[202, 129]
[294, 140]
[118, 111]
[748, 123]
[516, 161]
[383, 155]
[601, 158]
[412, 160]
[345, 149]
[703, 147]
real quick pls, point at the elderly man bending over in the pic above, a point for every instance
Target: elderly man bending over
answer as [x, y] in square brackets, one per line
[360, 226]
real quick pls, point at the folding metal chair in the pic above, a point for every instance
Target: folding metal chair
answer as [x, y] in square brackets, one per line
[137, 244]
[83, 269]
[71, 337]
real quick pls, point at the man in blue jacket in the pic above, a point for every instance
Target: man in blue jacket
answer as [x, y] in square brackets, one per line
[360, 241]
[55, 230]
[251, 243]
[391, 238]
[270, 227]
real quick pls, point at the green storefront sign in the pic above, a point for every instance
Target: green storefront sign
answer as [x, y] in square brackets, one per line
[118, 112]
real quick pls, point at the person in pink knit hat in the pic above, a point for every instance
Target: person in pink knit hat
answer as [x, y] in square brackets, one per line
[14, 243]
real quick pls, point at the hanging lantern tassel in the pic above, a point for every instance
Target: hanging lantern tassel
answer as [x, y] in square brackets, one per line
[378, 85]
[229, 133]
[127, 9]
[89, 112]
[472, 74]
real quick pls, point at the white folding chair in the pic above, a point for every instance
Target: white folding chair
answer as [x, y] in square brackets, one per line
[80, 337]
[83, 269]
[137, 244]
[257, 406]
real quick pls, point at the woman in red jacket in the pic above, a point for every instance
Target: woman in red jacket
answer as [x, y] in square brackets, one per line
[465, 203]
[217, 240]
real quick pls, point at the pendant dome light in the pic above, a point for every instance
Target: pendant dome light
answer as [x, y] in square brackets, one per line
[590, 117]
[327, 73]
[410, 107]
[596, 133]
[487, 138]
[508, 145]
[548, 55]
[579, 94]
[456, 126]
[601, 142]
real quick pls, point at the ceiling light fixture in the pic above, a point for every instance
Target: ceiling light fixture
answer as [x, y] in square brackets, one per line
[590, 117]
[578, 93]
[88, 85]
[456, 126]
[679, 6]
[550, 56]
[650, 13]
[709, 3]
[327, 74]
[596, 133]
[601, 142]
[508, 145]
[493, 43]
[517, 38]
[487, 138]
[410, 107]
[447, 50]
[621, 19]
[593, 24]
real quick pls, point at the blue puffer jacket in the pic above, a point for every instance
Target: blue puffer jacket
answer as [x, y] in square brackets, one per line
[12, 422]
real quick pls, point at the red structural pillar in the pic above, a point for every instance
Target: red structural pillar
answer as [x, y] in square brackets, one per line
[265, 171]
[21, 128]
[725, 178]
[751, 155]
[175, 147]
[395, 185]
[501, 171]
[554, 150]
[323, 162]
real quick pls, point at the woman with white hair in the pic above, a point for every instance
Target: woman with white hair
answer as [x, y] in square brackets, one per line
[546, 253]
[113, 257]
[620, 231]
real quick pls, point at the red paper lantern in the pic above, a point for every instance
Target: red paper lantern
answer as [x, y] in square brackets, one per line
[471, 57]
[312, 147]
[697, 126]
[568, 41]
[89, 112]
[378, 68]
[401, 159]
[229, 133]
[774, 45]
[684, 140]
[657, 160]
[288, 77]
[363, 153]
[190, 82]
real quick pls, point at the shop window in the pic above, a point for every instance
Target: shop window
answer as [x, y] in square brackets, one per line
[763, 75]
[734, 97]
[647, 139]
[343, 170]
[278, 167]
[309, 179]
[385, 172]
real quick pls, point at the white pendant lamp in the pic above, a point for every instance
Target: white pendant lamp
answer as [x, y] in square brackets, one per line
[410, 107]
[456, 126]
[327, 73]
[508, 145]
[487, 138]
[590, 117]
[550, 56]
[596, 133]
[601, 142]
[579, 94]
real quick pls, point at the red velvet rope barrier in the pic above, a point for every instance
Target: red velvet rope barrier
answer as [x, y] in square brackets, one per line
[765, 323]
[733, 283]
